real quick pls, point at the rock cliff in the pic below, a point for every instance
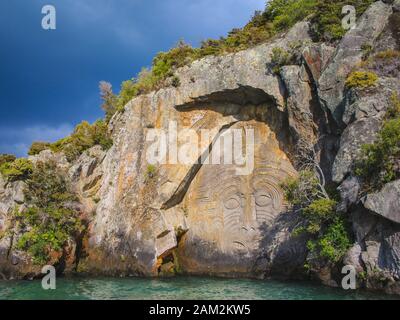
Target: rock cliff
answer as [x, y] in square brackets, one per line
[206, 219]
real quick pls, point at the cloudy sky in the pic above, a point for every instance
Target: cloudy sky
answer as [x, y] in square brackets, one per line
[49, 79]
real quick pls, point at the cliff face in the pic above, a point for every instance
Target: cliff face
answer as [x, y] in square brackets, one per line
[207, 219]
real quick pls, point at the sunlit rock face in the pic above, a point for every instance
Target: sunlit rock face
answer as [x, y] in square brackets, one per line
[229, 214]
[211, 217]
[142, 223]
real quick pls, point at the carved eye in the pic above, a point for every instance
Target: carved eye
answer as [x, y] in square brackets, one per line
[232, 204]
[263, 200]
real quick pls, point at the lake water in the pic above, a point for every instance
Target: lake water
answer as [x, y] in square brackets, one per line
[177, 288]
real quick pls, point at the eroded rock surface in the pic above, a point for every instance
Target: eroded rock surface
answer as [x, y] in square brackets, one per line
[349, 53]
[386, 203]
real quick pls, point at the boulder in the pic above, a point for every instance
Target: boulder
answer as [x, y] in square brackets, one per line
[299, 92]
[349, 191]
[351, 142]
[386, 202]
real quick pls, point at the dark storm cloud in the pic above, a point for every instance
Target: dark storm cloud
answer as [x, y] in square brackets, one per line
[49, 79]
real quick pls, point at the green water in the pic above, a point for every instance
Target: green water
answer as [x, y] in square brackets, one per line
[176, 288]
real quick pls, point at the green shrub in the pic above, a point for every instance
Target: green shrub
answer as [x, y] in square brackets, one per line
[6, 158]
[286, 13]
[328, 231]
[84, 137]
[258, 30]
[335, 241]
[303, 190]
[280, 58]
[325, 228]
[379, 162]
[327, 21]
[165, 63]
[393, 111]
[49, 229]
[361, 80]
[127, 93]
[151, 171]
[19, 169]
[100, 135]
[47, 223]
[47, 187]
[319, 212]
[38, 147]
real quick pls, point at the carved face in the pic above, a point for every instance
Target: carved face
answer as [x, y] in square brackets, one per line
[233, 212]
[247, 204]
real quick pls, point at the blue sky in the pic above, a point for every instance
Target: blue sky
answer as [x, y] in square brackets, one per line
[49, 79]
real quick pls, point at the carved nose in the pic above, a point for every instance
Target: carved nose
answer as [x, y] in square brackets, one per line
[249, 211]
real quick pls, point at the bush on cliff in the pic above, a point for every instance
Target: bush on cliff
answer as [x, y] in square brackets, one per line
[361, 80]
[303, 190]
[109, 99]
[284, 14]
[19, 169]
[385, 63]
[326, 229]
[280, 58]
[327, 21]
[38, 147]
[49, 222]
[6, 158]
[84, 137]
[334, 242]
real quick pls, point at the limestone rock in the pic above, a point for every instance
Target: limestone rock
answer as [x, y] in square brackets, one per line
[371, 255]
[299, 93]
[48, 155]
[234, 91]
[349, 190]
[353, 258]
[385, 203]
[86, 175]
[364, 113]
[317, 58]
[363, 224]
[350, 145]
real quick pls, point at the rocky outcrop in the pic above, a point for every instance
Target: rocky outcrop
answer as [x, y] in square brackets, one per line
[349, 53]
[204, 216]
[385, 203]
[215, 217]
[364, 113]
[299, 102]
